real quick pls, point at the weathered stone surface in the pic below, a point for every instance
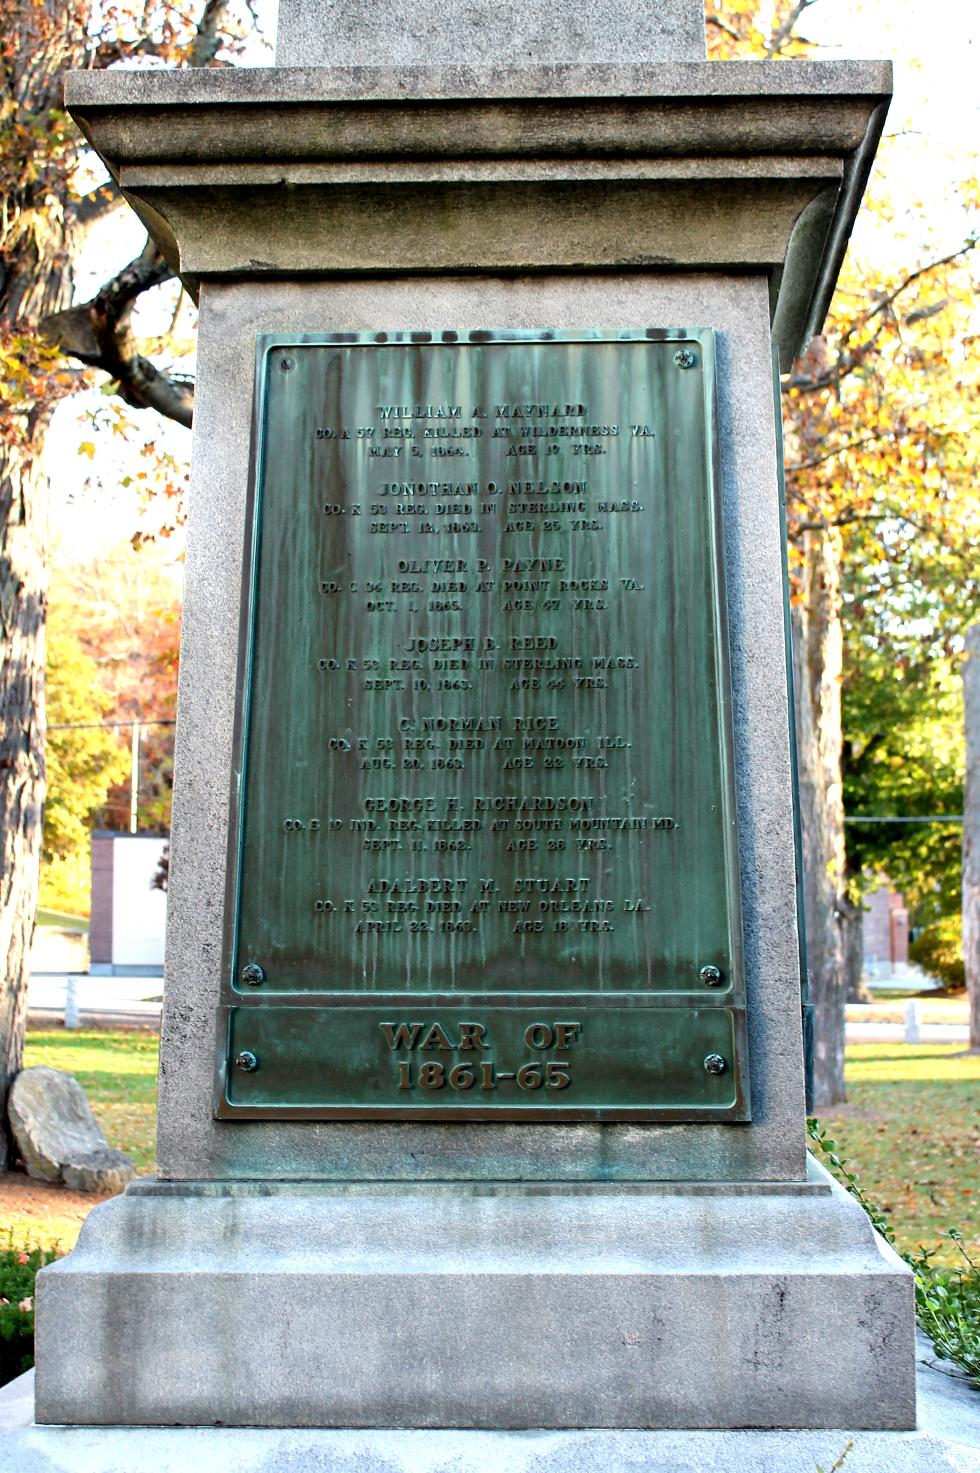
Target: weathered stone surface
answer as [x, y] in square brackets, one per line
[946, 1440]
[478, 1306]
[444, 168]
[192, 1144]
[102, 1170]
[510, 1276]
[338, 32]
[59, 1138]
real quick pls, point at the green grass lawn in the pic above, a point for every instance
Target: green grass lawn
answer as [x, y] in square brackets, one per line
[910, 1128]
[62, 921]
[911, 1132]
[118, 1072]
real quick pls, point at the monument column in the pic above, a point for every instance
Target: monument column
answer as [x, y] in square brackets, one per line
[481, 1097]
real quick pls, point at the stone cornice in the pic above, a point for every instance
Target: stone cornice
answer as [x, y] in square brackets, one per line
[675, 166]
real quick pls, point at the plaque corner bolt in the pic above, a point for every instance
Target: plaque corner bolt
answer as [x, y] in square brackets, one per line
[711, 976]
[252, 974]
[715, 1064]
[287, 363]
[246, 1061]
[684, 358]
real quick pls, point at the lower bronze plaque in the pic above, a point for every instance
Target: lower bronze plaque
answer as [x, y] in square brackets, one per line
[483, 851]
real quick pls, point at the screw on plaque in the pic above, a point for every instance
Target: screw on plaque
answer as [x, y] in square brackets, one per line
[715, 1064]
[246, 1061]
[286, 364]
[684, 358]
[711, 976]
[253, 974]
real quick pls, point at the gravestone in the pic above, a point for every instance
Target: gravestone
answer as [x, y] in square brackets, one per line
[482, 1077]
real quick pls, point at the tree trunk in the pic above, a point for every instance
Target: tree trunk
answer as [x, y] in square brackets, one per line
[852, 949]
[36, 251]
[971, 831]
[817, 655]
[23, 515]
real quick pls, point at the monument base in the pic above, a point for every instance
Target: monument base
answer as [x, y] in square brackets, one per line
[947, 1440]
[478, 1306]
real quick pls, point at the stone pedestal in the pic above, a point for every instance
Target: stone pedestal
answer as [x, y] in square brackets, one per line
[428, 1305]
[404, 1273]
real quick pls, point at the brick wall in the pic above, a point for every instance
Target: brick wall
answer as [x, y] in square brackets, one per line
[100, 924]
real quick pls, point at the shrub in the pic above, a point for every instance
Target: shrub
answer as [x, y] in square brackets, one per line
[948, 1303]
[938, 950]
[18, 1270]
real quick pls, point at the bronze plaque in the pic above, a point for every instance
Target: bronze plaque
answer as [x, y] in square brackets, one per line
[483, 849]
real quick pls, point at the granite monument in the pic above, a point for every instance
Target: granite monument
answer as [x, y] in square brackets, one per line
[482, 1075]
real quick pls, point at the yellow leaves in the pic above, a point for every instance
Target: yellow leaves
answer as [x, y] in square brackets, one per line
[969, 192]
[879, 414]
[738, 29]
[15, 371]
[144, 464]
[27, 376]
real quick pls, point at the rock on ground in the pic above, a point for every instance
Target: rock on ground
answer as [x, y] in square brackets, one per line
[59, 1138]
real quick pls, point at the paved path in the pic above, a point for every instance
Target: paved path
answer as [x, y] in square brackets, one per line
[99, 999]
[910, 979]
[895, 1033]
[136, 1000]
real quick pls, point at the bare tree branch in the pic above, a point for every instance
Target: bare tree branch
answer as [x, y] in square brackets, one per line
[848, 360]
[99, 334]
[110, 52]
[723, 26]
[846, 519]
[810, 384]
[781, 36]
[923, 313]
[809, 465]
[208, 38]
[964, 250]
[98, 204]
[850, 518]
[175, 315]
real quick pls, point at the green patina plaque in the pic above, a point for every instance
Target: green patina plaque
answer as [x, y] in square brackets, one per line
[483, 857]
